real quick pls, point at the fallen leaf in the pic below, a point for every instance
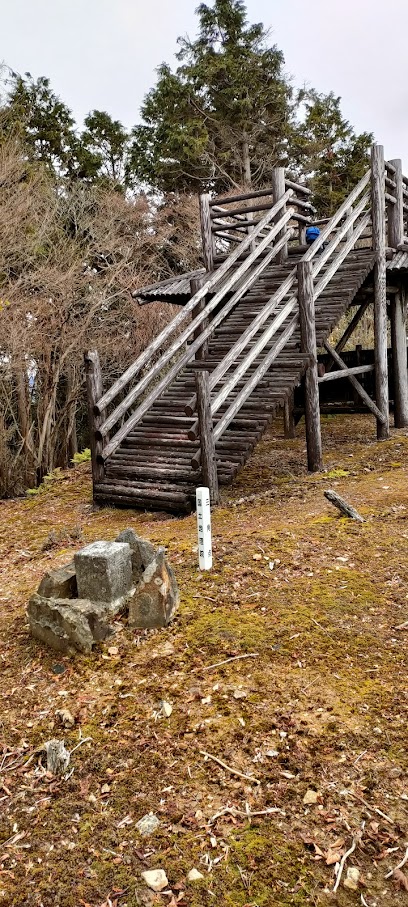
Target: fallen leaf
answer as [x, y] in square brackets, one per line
[401, 879]
[333, 856]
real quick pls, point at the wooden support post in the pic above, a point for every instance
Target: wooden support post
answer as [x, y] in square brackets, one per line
[359, 349]
[279, 189]
[396, 212]
[399, 358]
[289, 417]
[195, 285]
[308, 346]
[380, 288]
[205, 421]
[206, 232]
[94, 391]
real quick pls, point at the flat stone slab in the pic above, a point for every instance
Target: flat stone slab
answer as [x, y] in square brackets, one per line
[104, 571]
[68, 624]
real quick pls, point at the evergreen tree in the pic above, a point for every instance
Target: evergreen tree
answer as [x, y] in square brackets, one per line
[33, 112]
[328, 151]
[223, 117]
[103, 148]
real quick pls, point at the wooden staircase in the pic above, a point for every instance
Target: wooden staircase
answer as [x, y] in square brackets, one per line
[241, 330]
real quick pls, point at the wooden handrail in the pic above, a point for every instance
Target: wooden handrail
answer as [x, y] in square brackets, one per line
[338, 236]
[347, 228]
[188, 355]
[344, 251]
[210, 284]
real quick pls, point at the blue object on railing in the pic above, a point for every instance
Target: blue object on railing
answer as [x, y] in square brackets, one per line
[311, 234]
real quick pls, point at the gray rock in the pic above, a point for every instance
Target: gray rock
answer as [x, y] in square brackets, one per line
[68, 624]
[148, 824]
[59, 583]
[156, 597]
[104, 571]
[143, 552]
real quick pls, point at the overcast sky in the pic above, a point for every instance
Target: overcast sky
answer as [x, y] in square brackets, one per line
[103, 53]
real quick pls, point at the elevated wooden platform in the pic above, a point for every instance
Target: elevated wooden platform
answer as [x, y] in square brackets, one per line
[250, 327]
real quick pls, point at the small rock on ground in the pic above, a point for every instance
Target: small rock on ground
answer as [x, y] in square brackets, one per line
[156, 879]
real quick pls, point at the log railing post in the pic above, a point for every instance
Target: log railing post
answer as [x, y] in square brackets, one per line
[396, 212]
[279, 189]
[94, 391]
[207, 443]
[289, 416]
[399, 358]
[195, 285]
[308, 346]
[380, 288]
[207, 235]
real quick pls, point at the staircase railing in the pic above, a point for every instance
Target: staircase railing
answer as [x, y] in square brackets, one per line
[267, 239]
[341, 235]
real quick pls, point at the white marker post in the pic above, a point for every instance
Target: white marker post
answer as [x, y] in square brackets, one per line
[204, 528]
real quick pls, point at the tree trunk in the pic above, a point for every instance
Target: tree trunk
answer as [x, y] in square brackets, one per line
[246, 162]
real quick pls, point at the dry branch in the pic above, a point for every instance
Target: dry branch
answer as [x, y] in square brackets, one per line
[342, 505]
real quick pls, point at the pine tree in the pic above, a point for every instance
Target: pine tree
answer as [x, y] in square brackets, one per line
[223, 117]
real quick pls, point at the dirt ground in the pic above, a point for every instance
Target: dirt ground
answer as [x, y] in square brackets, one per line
[287, 662]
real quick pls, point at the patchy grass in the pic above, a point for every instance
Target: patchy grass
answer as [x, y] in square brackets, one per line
[321, 702]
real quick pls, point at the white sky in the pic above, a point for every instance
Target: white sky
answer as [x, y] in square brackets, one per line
[102, 53]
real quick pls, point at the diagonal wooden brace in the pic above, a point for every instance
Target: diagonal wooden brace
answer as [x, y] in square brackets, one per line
[356, 384]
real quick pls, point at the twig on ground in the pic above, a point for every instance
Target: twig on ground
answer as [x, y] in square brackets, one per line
[374, 809]
[233, 771]
[403, 626]
[233, 811]
[320, 626]
[227, 660]
[356, 840]
[400, 865]
[85, 740]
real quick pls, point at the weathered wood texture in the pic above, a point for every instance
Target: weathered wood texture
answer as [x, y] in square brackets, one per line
[206, 233]
[396, 211]
[308, 346]
[342, 505]
[289, 425]
[207, 443]
[278, 190]
[243, 339]
[399, 358]
[195, 285]
[94, 391]
[380, 288]
[356, 384]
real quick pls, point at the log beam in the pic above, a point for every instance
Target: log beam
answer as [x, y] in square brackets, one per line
[94, 391]
[308, 346]
[399, 358]
[380, 289]
[207, 443]
[356, 384]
